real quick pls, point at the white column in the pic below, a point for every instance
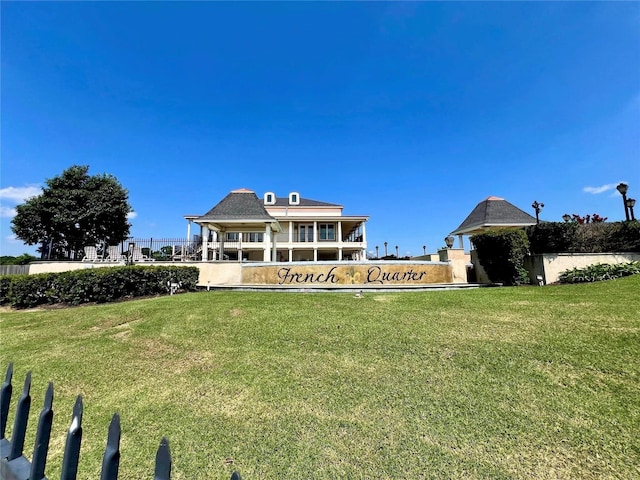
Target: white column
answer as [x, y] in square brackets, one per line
[205, 247]
[240, 246]
[290, 232]
[339, 253]
[274, 251]
[267, 243]
[460, 241]
[364, 235]
[221, 238]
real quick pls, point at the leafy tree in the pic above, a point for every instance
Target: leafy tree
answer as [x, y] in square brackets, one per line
[23, 259]
[75, 209]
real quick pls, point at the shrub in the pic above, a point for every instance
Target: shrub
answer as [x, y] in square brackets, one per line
[93, 285]
[559, 237]
[501, 253]
[553, 237]
[599, 271]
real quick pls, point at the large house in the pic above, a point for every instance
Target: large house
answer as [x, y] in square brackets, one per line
[279, 229]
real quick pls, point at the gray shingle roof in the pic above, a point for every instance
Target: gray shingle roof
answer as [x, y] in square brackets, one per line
[494, 212]
[304, 202]
[238, 205]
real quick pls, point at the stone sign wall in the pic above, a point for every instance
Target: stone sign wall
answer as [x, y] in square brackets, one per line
[370, 273]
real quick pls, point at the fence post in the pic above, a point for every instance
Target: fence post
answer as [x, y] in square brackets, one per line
[72, 447]
[43, 434]
[111, 458]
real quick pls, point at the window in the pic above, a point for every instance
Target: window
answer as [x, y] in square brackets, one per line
[327, 231]
[232, 237]
[255, 237]
[269, 198]
[305, 233]
[294, 198]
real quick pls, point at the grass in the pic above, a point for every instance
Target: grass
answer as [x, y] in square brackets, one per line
[522, 382]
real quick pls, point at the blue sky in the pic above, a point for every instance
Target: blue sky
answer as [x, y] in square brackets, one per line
[410, 113]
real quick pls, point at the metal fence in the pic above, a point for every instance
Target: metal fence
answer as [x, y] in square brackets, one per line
[164, 249]
[15, 466]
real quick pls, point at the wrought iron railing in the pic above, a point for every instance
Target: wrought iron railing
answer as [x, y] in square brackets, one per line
[15, 466]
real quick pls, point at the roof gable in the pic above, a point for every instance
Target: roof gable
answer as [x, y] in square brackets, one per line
[494, 212]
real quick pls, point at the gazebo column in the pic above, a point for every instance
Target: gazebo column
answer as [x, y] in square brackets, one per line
[460, 242]
[339, 241]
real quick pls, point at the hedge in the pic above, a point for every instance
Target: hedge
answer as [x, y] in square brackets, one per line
[98, 285]
[501, 253]
[565, 237]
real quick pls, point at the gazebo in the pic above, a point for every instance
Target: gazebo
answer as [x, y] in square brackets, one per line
[492, 212]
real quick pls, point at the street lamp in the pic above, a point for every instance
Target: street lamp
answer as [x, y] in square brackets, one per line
[424, 249]
[377, 256]
[449, 241]
[630, 203]
[566, 217]
[622, 188]
[397, 256]
[537, 207]
[385, 248]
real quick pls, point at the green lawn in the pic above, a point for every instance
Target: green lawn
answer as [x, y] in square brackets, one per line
[522, 382]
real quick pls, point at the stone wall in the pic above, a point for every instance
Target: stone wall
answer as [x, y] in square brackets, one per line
[551, 265]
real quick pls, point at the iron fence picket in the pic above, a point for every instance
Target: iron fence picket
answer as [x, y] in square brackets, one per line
[5, 400]
[43, 435]
[111, 458]
[163, 461]
[72, 446]
[21, 420]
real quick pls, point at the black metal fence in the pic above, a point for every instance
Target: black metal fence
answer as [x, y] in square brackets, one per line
[164, 249]
[15, 466]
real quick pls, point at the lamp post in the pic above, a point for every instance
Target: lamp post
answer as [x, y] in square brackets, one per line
[537, 207]
[566, 217]
[424, 249]
[385, 248]
[397, 256]
[449, 241]
[630, 203]
[377, 256]
[622, 188]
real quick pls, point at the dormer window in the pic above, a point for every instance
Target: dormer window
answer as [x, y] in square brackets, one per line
[294, 198]
[269, 198]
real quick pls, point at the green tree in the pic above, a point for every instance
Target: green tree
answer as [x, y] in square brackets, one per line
[75, 209]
